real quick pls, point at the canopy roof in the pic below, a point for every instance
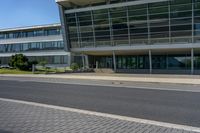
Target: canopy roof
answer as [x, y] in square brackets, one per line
[68, 3]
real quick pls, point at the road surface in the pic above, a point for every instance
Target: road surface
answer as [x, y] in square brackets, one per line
[161, 105]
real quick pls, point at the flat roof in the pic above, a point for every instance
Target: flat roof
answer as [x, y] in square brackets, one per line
[30, 27]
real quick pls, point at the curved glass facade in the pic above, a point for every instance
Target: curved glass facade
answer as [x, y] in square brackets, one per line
[30, 33]
[41, 48]
[168, 22]
[51, 59]
[32, 46]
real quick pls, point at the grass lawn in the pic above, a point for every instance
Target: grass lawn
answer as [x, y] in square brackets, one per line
[54, 70]
[39, 71]
[13, 71]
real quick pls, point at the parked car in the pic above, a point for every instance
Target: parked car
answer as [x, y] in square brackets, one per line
[6, 67]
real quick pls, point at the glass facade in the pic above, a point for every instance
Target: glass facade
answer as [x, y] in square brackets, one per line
[30, 33]
[132, 62]
[60, 59]
[168, 22]
[43, 45]
[164, 62]
[33, 46]
[171, 62]
[113, 23]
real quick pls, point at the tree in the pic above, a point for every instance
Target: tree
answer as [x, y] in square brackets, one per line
[34, 62]
[20, 61]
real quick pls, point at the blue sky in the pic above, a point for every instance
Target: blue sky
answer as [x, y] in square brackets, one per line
[19, 13]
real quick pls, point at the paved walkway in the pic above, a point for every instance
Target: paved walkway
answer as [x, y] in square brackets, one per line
[174, 79]
[24, 117]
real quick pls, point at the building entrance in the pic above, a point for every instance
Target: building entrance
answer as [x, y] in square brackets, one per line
[103, 61]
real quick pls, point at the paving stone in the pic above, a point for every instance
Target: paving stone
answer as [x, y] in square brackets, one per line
[21, 118]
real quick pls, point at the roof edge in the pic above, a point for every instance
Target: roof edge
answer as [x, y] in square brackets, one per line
[30, 27]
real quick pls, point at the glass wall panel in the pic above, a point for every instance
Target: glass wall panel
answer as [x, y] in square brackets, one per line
[119, 25]
[9, 48]
[102, 27]
[104, 61]
[132, 62]
[197, 22]
[159, 62]
[153, 23]
[138, 24]
[179, 62]
[86, 29]
[171, 62]
[196, 61]
[159, 22]
[60, 59]
[30, 33]
[181, 21]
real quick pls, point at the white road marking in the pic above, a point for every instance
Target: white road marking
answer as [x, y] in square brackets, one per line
[124, 118]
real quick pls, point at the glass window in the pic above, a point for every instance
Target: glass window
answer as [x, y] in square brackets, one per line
[179, 62]
[159, 62]
[30, 34]
[174, 2]
[31, 46]
[179, 8]
[197, 62]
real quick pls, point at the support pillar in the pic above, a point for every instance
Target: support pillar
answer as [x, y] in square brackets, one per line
[86, 61]
[150, 62]
[69, 62]
[114, 61]
[83, 60]
[97, 65]
[192, 61]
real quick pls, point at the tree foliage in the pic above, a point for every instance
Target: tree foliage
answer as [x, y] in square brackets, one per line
[21, 62]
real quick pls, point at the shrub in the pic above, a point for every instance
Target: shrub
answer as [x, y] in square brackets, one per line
[43, 63]
[34, 62]
[20, 62]
[74, 66]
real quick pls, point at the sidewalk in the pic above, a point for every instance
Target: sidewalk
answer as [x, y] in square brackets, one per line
[26, 117]
[173, 79]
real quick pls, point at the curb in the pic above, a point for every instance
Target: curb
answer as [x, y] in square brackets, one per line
[184, 81]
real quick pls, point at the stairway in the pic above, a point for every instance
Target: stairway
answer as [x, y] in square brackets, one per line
[104, 70]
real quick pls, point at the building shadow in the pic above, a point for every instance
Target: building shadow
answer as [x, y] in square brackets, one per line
[3, 131]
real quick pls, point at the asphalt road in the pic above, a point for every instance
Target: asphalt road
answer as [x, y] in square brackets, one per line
[160, 105]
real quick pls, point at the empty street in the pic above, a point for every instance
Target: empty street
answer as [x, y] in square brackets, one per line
[160, 105]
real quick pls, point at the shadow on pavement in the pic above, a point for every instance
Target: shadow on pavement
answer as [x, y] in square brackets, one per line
[3, 131]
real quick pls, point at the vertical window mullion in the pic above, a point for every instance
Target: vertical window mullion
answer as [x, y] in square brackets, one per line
[128, 24]
[193, 21]
[93, 28]
[148, 24]
[78, 30]
[111, 29]
[169, 10]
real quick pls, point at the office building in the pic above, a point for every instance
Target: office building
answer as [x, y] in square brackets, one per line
[139, 36]
[38, 43]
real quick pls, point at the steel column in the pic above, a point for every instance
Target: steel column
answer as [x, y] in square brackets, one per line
[150, 62]
[114, 61]
[192, 61]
